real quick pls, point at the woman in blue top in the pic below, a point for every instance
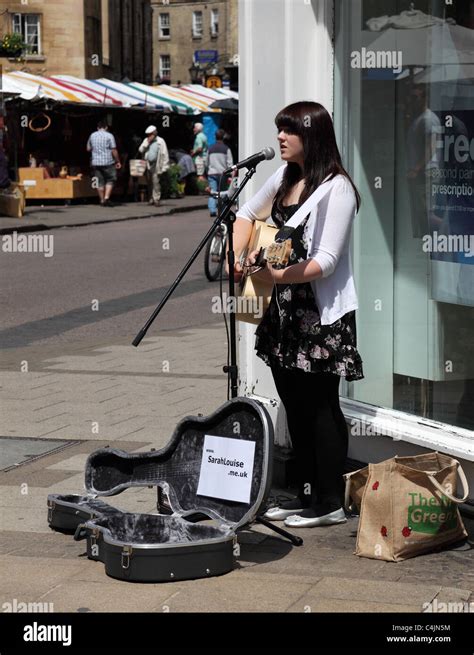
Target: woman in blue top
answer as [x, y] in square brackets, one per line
[308, 334]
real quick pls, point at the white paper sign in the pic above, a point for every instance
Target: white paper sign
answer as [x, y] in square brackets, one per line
[226, 468]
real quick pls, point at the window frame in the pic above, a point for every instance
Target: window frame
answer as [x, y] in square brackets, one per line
[19, 19]
[214, 22]
[162, 68]
[196, 34]
[161, 27]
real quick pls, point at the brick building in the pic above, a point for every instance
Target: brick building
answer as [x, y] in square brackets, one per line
[183, 27]
[85, 38]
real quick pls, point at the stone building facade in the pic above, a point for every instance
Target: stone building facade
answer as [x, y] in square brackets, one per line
[183, 27]
[85, 38]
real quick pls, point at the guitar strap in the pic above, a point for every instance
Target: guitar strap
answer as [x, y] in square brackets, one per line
[307, 207]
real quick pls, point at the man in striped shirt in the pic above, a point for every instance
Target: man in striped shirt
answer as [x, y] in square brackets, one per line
[105, 161]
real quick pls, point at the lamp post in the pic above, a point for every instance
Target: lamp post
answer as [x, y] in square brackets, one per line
[195, 73]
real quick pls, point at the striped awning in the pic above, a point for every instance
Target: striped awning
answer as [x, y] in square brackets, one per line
[132, 96]
[192, 99]
[193, 95]
[11, 87]
[203, 94]
[32, 87]
[168, 95]
[97, 93]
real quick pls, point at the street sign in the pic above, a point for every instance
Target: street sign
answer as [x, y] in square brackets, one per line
[206, 56]
[214, 82]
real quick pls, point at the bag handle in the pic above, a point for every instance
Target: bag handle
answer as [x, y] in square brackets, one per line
[464, 482]
[347, 494]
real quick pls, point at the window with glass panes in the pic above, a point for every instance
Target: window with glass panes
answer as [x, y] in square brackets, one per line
[165, 66]
[164, 24]
[398, 124]
[28, 25]
[197, 23]
[214, 22]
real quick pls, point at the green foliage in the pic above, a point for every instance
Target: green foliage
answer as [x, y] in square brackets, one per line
[169, 182]
[12, 44]
[202, 184]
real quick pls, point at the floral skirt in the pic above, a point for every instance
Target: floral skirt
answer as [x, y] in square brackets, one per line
[291, 335]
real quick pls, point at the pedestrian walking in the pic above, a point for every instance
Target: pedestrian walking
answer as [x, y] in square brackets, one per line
[155, 151]
[187, 171]
[219, 158]
[200, 148]
[105, 161]
[308, 334]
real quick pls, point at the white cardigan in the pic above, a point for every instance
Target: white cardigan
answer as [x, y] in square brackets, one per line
[327, 234]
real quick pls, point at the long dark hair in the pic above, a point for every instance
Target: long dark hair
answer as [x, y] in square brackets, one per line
[313, 124]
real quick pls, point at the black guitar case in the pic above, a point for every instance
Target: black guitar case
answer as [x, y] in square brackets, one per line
[196, 537]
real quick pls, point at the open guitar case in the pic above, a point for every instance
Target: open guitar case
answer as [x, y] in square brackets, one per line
[195, 536]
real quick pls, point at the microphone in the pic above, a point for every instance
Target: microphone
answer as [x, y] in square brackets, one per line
[266, 153]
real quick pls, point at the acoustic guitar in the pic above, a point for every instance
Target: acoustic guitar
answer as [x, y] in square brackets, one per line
[255, 294]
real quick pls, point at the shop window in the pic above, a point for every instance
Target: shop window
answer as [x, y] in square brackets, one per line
[404, 90]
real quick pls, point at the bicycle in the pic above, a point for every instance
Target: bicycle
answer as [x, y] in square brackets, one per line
[215, 253]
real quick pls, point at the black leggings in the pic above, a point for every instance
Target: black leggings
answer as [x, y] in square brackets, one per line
[318, 434]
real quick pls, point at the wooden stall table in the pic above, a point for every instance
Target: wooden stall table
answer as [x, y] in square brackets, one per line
[38, 187]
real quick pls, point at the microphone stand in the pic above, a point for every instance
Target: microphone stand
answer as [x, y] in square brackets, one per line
[228, 217]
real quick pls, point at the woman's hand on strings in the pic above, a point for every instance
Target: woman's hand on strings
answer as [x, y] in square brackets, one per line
[241, 269]
[266, 273]
[252, 258]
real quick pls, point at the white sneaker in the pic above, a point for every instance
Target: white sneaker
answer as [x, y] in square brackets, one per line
[296, 521]
[279, 514]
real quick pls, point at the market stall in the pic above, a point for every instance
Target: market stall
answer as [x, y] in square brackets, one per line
[49, 120]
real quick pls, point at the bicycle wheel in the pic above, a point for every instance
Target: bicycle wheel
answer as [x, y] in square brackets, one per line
[215, 255]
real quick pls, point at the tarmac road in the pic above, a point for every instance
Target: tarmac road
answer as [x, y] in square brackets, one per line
[126, 266]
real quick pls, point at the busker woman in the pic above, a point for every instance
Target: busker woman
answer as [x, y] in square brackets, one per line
[309, 344]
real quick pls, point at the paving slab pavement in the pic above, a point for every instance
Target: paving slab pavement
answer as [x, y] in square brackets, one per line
[112, 394]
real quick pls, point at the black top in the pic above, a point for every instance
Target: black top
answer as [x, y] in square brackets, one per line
[290, 333]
